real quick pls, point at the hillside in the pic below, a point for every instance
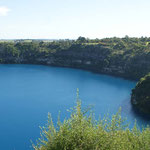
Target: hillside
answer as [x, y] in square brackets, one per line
[124, 57]
[141, 95]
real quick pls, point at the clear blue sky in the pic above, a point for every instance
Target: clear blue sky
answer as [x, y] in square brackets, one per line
[58, 19]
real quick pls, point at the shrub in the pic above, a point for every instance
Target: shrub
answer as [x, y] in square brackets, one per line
[82, 132]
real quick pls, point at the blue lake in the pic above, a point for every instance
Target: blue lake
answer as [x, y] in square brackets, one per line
[29, 92]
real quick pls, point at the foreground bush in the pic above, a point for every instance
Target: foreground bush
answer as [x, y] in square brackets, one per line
[83, 132]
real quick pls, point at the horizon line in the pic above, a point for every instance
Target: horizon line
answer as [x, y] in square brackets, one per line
[71, 38]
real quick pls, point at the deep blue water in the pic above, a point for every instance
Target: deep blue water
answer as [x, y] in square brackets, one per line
[29, 92]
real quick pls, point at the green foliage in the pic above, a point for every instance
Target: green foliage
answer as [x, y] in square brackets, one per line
[83, 132]
[81, 40]
[141, 95]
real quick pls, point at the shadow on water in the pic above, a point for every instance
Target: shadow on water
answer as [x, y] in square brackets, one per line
[129, 110]
[145, 117]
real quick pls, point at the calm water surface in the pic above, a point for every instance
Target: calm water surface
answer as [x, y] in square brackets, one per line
[29, 92]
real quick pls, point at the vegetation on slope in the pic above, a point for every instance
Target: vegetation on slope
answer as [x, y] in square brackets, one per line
[125, 57]
[141, 95]
[83, 132]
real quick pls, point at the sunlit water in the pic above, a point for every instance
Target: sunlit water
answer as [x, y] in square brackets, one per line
[29, 92]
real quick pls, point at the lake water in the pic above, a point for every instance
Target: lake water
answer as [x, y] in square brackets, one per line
[29, 92]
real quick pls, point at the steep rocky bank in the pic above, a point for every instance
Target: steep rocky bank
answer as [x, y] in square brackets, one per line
[97, 59]
[140, 97]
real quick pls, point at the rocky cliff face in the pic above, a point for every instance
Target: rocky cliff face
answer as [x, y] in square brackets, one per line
[97, 61]
[96, 58]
